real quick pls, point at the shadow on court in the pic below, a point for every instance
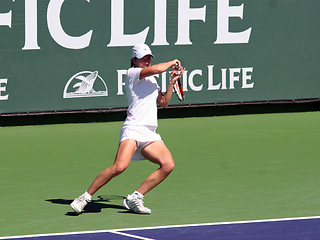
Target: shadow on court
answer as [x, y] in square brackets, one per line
[95, 206]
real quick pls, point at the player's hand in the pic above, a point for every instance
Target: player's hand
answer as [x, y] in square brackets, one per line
[175, 76]
[175, 64]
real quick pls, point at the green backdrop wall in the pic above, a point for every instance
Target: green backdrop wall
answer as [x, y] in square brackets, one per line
[60, 55]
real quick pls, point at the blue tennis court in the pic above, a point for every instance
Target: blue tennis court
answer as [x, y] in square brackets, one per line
[275, 229]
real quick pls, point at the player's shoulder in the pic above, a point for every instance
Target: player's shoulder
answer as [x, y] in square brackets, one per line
[133, 75]
[133, 71]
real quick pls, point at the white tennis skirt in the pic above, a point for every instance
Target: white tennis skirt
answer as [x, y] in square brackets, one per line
[144, 135]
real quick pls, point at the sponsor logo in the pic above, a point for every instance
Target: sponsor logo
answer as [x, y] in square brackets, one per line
[85, 84]
[3, 89]
[226, 14]
[200, 80]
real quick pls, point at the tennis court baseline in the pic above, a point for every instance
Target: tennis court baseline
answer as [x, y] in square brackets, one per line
[282, 229]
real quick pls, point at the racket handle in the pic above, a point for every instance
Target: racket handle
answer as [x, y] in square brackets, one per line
[176, 69]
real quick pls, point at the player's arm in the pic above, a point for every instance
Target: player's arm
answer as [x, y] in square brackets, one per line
[157, 68]
[164, 99]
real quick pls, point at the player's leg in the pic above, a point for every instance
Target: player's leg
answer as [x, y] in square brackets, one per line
[158, 153]
[125, 152]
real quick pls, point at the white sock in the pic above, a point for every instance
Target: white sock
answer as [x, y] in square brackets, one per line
[87, 196]
[137, 194]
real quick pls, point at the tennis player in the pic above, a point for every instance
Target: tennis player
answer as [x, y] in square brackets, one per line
[138, 137]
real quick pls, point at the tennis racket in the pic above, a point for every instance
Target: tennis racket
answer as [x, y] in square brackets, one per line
[177, 86]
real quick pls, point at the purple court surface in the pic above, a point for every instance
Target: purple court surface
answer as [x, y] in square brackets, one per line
[307, 228]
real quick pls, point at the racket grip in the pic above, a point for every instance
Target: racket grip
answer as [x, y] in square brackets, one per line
[176, 69]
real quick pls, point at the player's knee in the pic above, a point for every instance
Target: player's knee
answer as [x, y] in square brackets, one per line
[118, 169]
[168, 167]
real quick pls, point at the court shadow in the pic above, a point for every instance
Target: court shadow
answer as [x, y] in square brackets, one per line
[126, 211]
[95, 206]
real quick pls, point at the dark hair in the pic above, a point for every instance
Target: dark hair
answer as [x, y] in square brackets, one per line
[132, 64]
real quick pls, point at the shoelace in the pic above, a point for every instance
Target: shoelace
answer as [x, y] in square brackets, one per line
[81, 198]
[138, 203]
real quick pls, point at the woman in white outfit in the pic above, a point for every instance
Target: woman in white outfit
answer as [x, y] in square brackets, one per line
[138, 137]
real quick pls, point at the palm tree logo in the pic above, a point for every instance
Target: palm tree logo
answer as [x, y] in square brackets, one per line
[82, 85]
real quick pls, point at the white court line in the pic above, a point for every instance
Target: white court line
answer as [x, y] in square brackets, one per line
[119, 231]
[130, 235]
[219, 223]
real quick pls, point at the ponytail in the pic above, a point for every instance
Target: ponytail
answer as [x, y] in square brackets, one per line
[132, 64]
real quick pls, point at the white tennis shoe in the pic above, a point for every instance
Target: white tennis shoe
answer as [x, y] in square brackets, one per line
[135, 204]
[79, 204]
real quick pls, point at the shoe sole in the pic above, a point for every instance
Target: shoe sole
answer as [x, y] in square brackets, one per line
[125, 205]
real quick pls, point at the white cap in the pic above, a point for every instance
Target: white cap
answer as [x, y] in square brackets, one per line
[141, 50]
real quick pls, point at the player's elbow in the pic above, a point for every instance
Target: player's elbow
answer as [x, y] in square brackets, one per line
[163, 104]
